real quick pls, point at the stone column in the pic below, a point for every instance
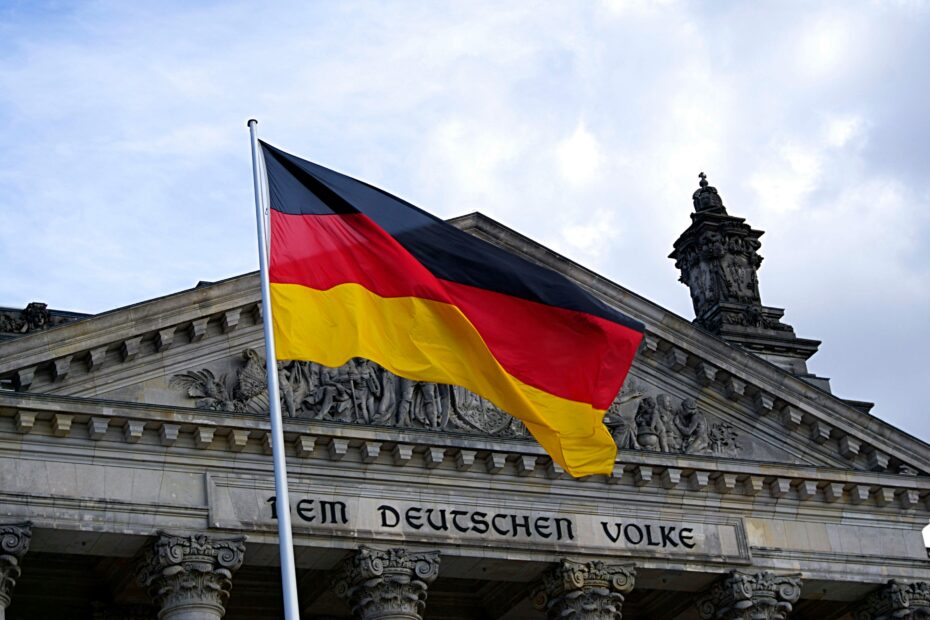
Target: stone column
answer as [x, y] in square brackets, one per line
[897, 600]
[387, 585]
[14, 543]
[584, 591]
[189, 576]
[751, 596]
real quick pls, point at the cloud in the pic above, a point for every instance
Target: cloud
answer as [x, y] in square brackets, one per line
[579, 156]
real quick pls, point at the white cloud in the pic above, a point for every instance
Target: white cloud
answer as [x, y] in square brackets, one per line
[579, 156]
[592, 238]
[787, 178]
[841, 130]
[825, 46]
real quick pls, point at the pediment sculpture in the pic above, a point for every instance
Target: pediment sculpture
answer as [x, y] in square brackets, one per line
[362, 392]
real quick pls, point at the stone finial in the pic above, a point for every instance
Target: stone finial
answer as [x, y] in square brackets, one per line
[706, 199]
[392, 583]
[14, 543]
[896, 600]
[718, 258]
[584, 590]
[184, 573]
[751, 596]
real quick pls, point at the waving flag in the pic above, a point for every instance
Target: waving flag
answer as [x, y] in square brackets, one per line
[357, 272]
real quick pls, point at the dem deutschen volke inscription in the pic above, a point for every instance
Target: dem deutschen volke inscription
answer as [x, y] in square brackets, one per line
[236, 504]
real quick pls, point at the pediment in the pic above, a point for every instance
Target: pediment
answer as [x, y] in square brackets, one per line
[688, 393]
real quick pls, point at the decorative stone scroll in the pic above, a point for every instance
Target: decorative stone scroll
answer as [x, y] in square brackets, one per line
[910, 601]
[14, 543]
[191, 575]
[387, 584]
[362, 392]
[751, 596]
[584, 591]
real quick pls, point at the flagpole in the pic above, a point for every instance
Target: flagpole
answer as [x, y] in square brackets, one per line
[282, 503]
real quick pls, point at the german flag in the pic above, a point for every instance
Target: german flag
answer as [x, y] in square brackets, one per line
[357, 272]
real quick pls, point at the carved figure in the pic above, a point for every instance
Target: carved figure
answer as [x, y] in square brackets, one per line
[36, 316]
[333, 393]
[288, 375]
[650, 432]
[388, 404]
[428, 411]
[667, 418]
[692, 425]
[368, 385]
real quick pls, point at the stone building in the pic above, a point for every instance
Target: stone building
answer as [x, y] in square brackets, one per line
[137, 480]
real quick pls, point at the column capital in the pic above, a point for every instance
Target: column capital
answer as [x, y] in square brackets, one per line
[14, 543]
[751, 596]
[584, 590]
[896, 599]
[387, 584]
[190, 575]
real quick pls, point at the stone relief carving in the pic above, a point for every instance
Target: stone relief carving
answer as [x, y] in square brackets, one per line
[35, 317]
[362, 392]
[658, 425]
[359, 392]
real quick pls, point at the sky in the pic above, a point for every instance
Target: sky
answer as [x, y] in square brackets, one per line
[125, 168]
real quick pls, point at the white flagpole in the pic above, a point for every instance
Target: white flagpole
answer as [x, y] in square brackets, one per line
[282, 503]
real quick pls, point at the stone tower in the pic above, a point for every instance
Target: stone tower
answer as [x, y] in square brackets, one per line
[718, 256]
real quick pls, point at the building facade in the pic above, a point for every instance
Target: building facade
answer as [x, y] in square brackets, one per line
[137, 478]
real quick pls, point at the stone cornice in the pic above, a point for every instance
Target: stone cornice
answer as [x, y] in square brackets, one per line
[129, 426]
[116, 327]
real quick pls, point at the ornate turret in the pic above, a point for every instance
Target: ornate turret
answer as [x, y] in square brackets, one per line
[718, 258]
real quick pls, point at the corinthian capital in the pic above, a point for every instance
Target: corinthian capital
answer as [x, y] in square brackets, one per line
[751, 596]
[896, 600]
[586, 591]
[191, 572]
[387, 584]
[14, 543]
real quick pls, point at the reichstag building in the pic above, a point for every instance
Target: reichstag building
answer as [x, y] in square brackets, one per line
[137, 479]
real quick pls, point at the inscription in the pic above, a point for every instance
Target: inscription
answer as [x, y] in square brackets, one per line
[495, 524]
[310, 510]
[465, 521]
[653, 535]
[501, 524]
